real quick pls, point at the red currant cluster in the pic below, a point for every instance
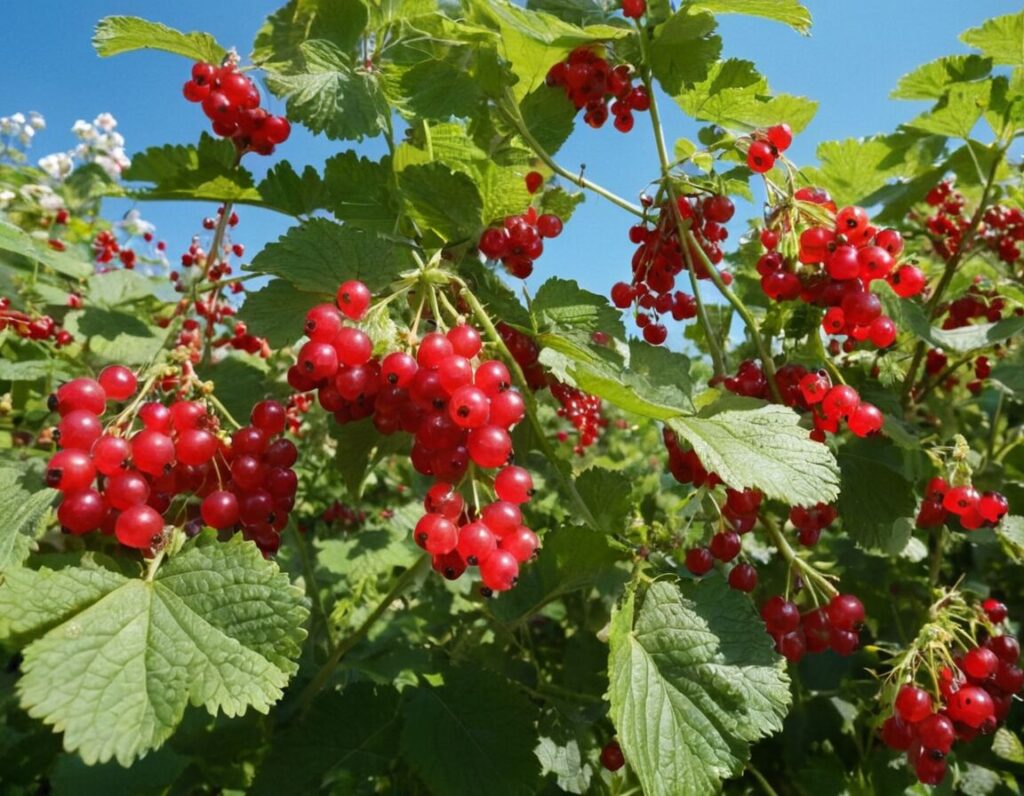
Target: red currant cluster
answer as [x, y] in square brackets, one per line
[590, 82]
[1002, 229]
[811, 521]
[520, 240]
[127, 483]
[833, 626]
[458, 413]
[343, 515]
[976, 304]
[660, 258]
[40, 327]
[974, 697]
[833, 404]
[766, 146]
[231, 102]
[843, 261]
[581, 409]
[972, 509]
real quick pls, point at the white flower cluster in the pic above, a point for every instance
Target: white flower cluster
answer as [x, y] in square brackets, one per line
[100, 144]
[16, 134]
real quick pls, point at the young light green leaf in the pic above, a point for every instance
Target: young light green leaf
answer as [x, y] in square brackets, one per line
[957, 112]
[274, 311]
[764, 448]
[115, 288]
[876, 495]
[441, 199]
[319, 254]
[471, 735]
[693, 681]
[22, 514]
[116, 35]
[572, 771]
[736, 96]
[560, 202]
[327, 94]
[932, 80]
[218, 627]
[999, 38]
[1007, 746]
[788, 12]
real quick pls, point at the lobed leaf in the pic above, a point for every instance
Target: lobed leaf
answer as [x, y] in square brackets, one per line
[115, 35]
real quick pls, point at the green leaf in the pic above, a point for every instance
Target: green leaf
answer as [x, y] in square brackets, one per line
[932, 80]
[608, 496]
[693, 681]
[23, 513]
[1000, 38]
[788, 12]
[531, 41]
[854, 168]
[958, 111]
[560, 202]
[115, 288]
[562, 305]
[318, 255]
[206, 172]
[327, 94]
[736, 96]
[33, 369]
[549, 116]
[876, 495]
[441, 199]
[240, 380]
[684, 48]
[19, 242]
[1011, 532]
[341, 22]
[1007, 746]
[572, 772]
[356, 444]
[667, 370]
[764, 448]
[436, 88]
[115, 336]
[964, 339]
[596, 372]
[571, 559]
[473, 734]
[1006, 375]
[116, 35]
[217, 627]
[369, 554]
[276, 311]
[327, 744]
[359, 191]
[285, 190]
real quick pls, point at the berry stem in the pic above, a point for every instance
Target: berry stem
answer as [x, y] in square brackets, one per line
[510, 110]
[223, 410]
[717, 356]
[815, 580]
[765, 785]
[324, 674]
[689, 245]
[531, 405]
[952, 264]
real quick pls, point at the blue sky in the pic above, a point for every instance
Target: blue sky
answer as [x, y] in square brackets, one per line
[855, 55]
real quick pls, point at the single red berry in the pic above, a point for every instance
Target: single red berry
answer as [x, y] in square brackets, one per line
[354, 299]
[611, 755]
[500, 571]
[85, 394]
[760, 157]
[780, 615]
[534, 179]
[897, 734]
[971, 705]
[936, 732]
[743, 577]
[118, 382]
[219, 509]
[980, 663]
[81, 512]
[70, 471]
[780, 136]
[913, 703]
[631, 9]
[513, 484]
[845, 611]
[269, 417]
[725, 545]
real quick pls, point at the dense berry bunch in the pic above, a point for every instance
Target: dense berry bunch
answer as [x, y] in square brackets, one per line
[974, 696]
[519, 241]
[458, 407]
[231, 102]
[833, 626]
[1002, 229]
[766, 146]
[35, 327]
[174, 467]
[660, 258]
[971, 508]
[810, 521]
[591, 83]
[835, 268]
[343, 516]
